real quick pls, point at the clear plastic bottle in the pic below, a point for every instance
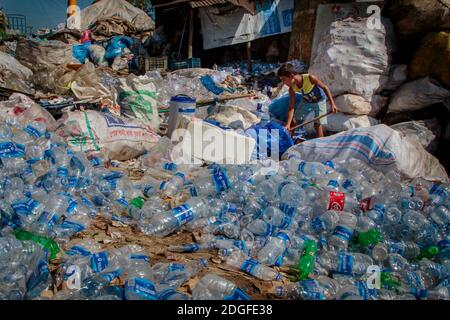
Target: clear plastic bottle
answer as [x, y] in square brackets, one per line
[241, 261]
[175, 274]
[214, 287]
[343, 231]
[272, 253]
[167, 222]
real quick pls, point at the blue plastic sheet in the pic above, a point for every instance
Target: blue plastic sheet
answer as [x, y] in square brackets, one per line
[276, 139]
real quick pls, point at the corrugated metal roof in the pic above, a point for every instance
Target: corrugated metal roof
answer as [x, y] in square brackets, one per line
[206, 3]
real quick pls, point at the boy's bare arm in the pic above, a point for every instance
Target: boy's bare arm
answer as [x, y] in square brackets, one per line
[290, 115]
[327, 91]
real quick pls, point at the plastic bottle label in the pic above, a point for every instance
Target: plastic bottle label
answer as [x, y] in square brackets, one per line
[419, 293]
[163, 185]
[333, 183]
[95, 162]
[176, 267]
[192, 247]
[182, 176]
[40, 275]
[279, 261]
[379, 211]
[140, 257]
[32, 131]
[76, 163]
[444, 244]
[148, 189]
[347, 184]
[62, 172]
[345, 263]
[166, 294]
[301, 167]
[25, 207]
[281, 186]
[122, 202]
[49, 156]
[285, 223]
[78, 250]
[249, 265]
[11, 150]
[269, 229]
[72, 182]
[48, 219]
[318, 225]
[193, 192]
[99, 261]
[183, 213]
[343, 233]
[28, 171]
[283, 236]
[69, 225]
[169, 166]
[438, 190]
[240, 244]
[288, 210]
[237, 294]
[336, 201]
[110, 276]
[141, 287]
[221, 182]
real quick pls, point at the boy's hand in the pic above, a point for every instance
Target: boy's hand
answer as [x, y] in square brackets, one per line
[334, 109]
[288, 127]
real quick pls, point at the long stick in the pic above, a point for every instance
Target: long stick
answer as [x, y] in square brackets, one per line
[248, 95]
[310, 121]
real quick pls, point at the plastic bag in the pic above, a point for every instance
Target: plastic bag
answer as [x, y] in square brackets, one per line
[81, 52]
[418, 94]
[137, 98]
[101, 132]
[97, 55]
[381, 147]
[116, 47]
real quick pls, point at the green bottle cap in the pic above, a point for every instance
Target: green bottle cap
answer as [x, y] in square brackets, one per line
[433, 250]
[138, 202]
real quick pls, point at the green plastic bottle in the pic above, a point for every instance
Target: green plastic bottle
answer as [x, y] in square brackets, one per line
[47, 243]
[388, 281]
[306, 262]
[371, 237]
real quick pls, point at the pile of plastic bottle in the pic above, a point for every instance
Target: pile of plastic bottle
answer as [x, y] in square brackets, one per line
[240, 68]
[329, 223]
[96, 271]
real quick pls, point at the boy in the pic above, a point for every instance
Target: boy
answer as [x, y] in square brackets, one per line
[314, 93]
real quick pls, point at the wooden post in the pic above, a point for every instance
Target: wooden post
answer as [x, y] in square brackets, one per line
[191, 32]
[249, 56]
[303, 25]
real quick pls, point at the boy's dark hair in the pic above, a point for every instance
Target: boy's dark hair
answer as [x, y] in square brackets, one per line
[286, 70]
